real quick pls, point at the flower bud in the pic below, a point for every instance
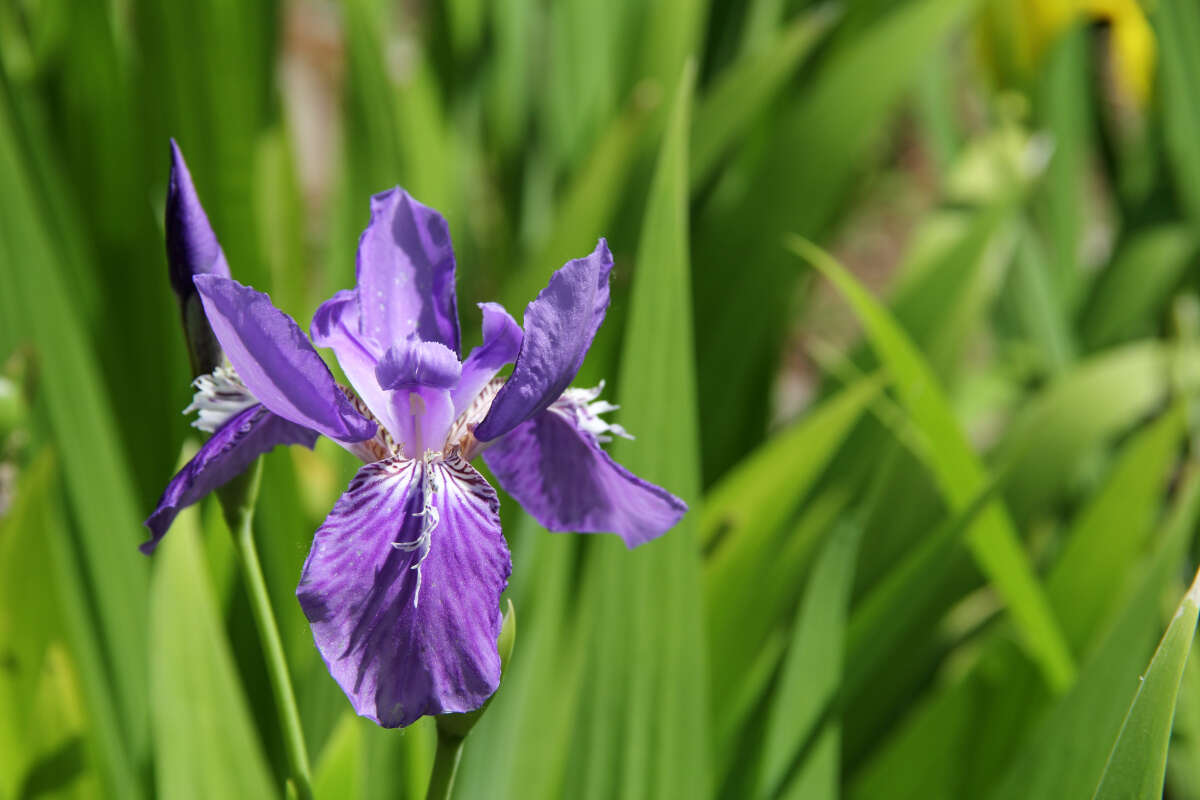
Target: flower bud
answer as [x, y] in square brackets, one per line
[192, 249]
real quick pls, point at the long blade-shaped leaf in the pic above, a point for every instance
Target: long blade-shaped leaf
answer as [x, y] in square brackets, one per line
[958, 471]
[649, 639]
[1139, 758]
[811, 674]
[205, 741]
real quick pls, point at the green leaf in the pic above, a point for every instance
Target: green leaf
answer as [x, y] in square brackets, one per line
[811, 674]
[742, 93]
[339, 771]
[520, 747]
[648, 650]
[205, 741]
[751, 500]
[1065, 753]
[1130, 292]
[959, 473]
[1050, 435]
[1138, 760]
[1177, 30]
[904, 597]
[744, 523]
[1112, 529]
[587, 204]
[72, 395]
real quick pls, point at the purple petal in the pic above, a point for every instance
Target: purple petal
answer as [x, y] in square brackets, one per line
[336, 325]
[399, 653]
[276, 361]
[415, 363]
[406, 273]
[226, 454]
[559, 327]
[418, 376]
[192, 247]
[562, 477]
[501, 344]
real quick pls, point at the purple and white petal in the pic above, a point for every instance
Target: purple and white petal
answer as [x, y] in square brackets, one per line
[559, 327]
[402, 589]
[276, 361]
[553, 465]
[406, 273]
[227, 453]
[336, 326]
[501, 343]
[418, 376]
[192, 247]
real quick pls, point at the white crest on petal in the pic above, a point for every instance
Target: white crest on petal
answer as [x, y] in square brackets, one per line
[583, 407]
[220, 396]
[431, 484]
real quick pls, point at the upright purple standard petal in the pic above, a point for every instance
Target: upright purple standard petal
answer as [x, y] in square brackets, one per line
[277, 362]
[406, 273]
[501, 344]
[226, 454]
[192, 247]
[559, 474]
[409, 630]
[559, 327]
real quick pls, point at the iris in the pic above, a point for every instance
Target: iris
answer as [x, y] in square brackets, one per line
[402, 585]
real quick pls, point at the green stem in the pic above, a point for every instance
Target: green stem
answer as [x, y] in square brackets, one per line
[445, 766]
[237, 500]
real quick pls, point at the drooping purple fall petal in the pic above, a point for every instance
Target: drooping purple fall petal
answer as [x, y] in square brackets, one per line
[559, 474]
[192, 247]
[399, 650]
[501, 344]
[559, 327]
[406, 274]
[276, 361]
[226, 454]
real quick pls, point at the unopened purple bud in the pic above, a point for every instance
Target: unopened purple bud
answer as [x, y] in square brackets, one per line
[192, 249]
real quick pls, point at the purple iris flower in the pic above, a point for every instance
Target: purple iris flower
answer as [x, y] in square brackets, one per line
[402, 584]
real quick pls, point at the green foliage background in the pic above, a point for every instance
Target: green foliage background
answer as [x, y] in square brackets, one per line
[943, 482]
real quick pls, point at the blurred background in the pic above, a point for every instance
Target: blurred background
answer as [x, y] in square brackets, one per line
[943, 505]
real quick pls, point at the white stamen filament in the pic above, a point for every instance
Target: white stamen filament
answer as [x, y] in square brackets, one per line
[219, 397]
[585, 409]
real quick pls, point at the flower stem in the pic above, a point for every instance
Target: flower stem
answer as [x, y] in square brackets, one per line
[237, 501]
[445, 766]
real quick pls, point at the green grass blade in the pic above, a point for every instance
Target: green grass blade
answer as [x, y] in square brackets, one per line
[751, 499]
[205, 741]
[811, 674]
[1138, 761]
[589, 201]
[33, 540]
[98, 486]
[648, 646]
[744, 91]
[1064, 755]
[1111, 531]
[959, 473]
[1177, 28]
[1049, 436]
[1129, 295]
[339, 772]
